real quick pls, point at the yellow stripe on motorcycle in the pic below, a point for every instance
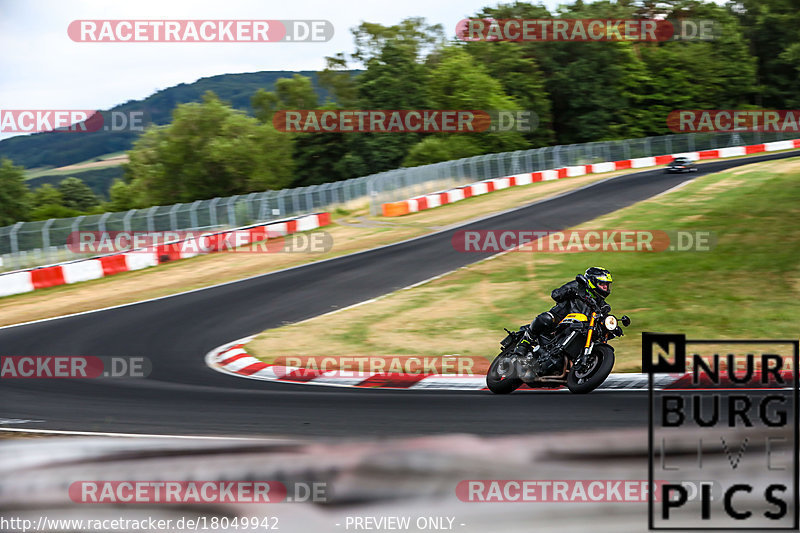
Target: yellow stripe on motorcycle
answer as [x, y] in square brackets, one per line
[580, 317]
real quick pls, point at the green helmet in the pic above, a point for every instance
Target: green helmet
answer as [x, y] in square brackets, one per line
[598, 281]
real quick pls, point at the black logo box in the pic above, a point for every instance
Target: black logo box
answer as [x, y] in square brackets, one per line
[675, 346]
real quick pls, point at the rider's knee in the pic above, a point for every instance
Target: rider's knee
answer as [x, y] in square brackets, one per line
[542, 322]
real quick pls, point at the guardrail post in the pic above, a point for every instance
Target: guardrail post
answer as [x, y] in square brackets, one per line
[46, 238]
[151, 227]
[173, 219]
[101, 224]
[282, 202]
[193, 214]
[77, 223]
[310, 198]
[212, 211]
[251, 213]
[126, 220]
[231, 211]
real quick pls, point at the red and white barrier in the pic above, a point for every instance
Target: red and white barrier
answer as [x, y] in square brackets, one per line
[22, 281]
[430, 201]
[233, 359]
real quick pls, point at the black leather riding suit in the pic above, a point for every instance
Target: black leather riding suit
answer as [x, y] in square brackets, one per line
[567, 301]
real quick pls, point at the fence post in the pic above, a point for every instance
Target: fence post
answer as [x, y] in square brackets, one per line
[46, 238]
[101, 224]
[231, 211]
[77, 224]
[193, 222]
[282, 202]
[173, 220]
[262, 208]
[212, 211]
[151, 227]
[126, 220]
[373, 208]
[251, 212]
[12, 235]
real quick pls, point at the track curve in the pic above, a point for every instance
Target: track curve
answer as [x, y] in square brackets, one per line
[183, 396]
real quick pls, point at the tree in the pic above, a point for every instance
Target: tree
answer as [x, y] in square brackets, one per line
[208, 150]
[121, 197]
[46, 195]
[773, 30]
[14, 200]
[458, 81]
[393, 80]
[48, 211]
[434, 149]
[75, 194]
[339, 80]
[294, 93]
[521, 79]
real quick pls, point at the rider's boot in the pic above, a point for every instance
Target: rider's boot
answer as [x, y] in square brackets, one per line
[542, 324]
[525, 345]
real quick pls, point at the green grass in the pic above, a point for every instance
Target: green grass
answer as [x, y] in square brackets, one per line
[746, 286]
[38, 172]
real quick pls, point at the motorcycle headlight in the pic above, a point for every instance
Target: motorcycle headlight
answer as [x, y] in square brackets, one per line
[611, 323]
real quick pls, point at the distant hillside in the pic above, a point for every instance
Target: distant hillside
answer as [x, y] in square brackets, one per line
[54, 149]
[99, 180]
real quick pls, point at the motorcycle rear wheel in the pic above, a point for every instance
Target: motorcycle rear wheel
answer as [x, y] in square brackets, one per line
[597, 375]
[499, 382]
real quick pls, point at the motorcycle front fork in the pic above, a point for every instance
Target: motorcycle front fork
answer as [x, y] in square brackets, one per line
[583, 359]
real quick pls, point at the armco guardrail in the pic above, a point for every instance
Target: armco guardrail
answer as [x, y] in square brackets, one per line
[429, 201]
[107, 265]
[27, 244]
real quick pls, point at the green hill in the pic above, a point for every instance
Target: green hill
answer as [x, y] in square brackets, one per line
[54, 149]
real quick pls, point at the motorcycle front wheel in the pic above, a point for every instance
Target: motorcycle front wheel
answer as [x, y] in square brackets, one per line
[501, 377]
[600, 367]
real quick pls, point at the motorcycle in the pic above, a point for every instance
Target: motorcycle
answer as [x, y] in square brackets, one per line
[575, 354]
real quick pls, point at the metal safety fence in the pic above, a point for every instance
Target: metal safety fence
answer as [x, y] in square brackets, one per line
[27, 244]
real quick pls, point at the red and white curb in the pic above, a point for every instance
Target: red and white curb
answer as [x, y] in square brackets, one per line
[22, 281]
[430, 201]
[233, 359]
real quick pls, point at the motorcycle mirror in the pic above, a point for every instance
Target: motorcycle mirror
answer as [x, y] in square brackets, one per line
[625, 320]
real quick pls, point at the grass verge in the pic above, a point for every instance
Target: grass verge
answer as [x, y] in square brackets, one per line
[747, 286]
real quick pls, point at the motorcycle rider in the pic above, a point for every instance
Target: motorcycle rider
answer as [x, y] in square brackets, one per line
[594, 285]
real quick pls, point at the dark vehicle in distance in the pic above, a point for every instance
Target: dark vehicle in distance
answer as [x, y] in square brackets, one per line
[681, 164]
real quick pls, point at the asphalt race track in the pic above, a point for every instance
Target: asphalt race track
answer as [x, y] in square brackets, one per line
[184, 397]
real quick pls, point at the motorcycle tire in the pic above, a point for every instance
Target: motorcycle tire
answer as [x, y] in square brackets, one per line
[598, 374]
[501, 384]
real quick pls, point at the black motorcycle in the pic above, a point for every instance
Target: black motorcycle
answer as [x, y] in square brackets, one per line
[575, 354]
